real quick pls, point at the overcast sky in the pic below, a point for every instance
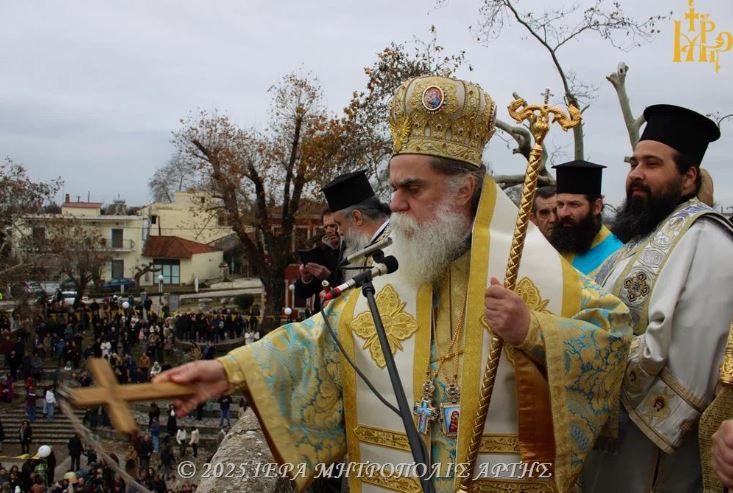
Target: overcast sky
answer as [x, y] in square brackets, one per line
[90, 91]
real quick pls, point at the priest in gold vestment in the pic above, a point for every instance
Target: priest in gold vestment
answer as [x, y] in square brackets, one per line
[566, 340]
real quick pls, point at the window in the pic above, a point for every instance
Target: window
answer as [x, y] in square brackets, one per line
[118, 268]
[117, 238]
[169, 269]
[153, 219]
[222, 218]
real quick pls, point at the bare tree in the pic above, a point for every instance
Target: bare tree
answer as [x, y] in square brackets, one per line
[141, 270]
[72, 248]
[178, 175]
[19, 197]
[557, 27]
[258, 179]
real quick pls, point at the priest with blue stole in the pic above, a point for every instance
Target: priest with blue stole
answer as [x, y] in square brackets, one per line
[579, 234]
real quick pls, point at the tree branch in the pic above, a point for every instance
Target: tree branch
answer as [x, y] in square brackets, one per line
[520, 134]
[618, 81]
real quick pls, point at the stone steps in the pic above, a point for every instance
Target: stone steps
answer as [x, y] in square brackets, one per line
[55, 431]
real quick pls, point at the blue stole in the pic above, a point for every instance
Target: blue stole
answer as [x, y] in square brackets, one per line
[604, 245]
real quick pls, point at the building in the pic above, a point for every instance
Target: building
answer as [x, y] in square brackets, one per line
[181, 261]
[192, 216]
[126, 247]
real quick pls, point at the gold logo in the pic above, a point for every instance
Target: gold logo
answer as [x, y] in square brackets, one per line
[398, 325]
[695, 39]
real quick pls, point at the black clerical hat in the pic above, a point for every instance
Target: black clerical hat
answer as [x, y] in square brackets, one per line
[347, 190]
[684, 130]
[579, 177]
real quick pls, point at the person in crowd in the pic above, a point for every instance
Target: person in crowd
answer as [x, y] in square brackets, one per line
[155, 369]
[144, 451]
[544, 210]
[155, 435]
[181, 439]
[25, 435]
[167, 458]
[30, 402]
[324, 265]
[76, 448]
[49, 402]
[131, 465]
[362, 218]
[171, 426]
[153, 413]
[194, 441]
[225, 403]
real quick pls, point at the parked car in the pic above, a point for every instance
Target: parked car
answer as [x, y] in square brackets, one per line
[68, 297]
[67, 285]
[28, 288]
[113, 285]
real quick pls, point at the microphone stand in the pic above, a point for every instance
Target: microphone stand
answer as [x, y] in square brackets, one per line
[417, 447]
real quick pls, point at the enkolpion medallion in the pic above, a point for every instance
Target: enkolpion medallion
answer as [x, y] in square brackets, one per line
[433, 98]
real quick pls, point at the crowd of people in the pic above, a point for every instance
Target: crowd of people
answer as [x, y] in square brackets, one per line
[52, 346]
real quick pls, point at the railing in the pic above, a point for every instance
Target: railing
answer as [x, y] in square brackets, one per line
[115, 244]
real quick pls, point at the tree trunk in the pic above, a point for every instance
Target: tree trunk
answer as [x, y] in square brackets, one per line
[618, 81]
[578, 141]
[275, 288]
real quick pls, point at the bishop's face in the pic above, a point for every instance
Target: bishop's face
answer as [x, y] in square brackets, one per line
[430, 217]
[417, 188]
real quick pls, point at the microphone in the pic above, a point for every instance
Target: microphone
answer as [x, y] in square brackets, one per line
[387, 267]
[365, 252]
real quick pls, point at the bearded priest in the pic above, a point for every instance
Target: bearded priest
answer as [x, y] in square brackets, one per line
[566, 340]
[674, 273]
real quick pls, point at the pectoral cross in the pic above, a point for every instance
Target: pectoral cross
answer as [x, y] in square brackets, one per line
[425, 413]
[115, 397]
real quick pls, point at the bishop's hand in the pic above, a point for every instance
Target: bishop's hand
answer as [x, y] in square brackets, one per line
[506, 313]
[208, 376]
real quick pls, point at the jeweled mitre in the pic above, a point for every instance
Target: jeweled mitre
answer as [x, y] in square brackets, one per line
[443, 117]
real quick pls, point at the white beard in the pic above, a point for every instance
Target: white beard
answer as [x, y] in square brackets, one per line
[425, 251]
[354, 240]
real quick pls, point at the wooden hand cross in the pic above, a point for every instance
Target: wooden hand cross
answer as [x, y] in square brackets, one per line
[115, 397]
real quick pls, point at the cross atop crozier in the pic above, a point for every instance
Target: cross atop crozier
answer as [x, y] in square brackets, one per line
[110, 394]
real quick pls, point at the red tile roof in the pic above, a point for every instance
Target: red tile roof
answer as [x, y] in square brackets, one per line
[82, 205]
[174, 247]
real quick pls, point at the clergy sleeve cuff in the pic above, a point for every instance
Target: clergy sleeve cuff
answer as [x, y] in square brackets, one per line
[534, 344]
[234, 373]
